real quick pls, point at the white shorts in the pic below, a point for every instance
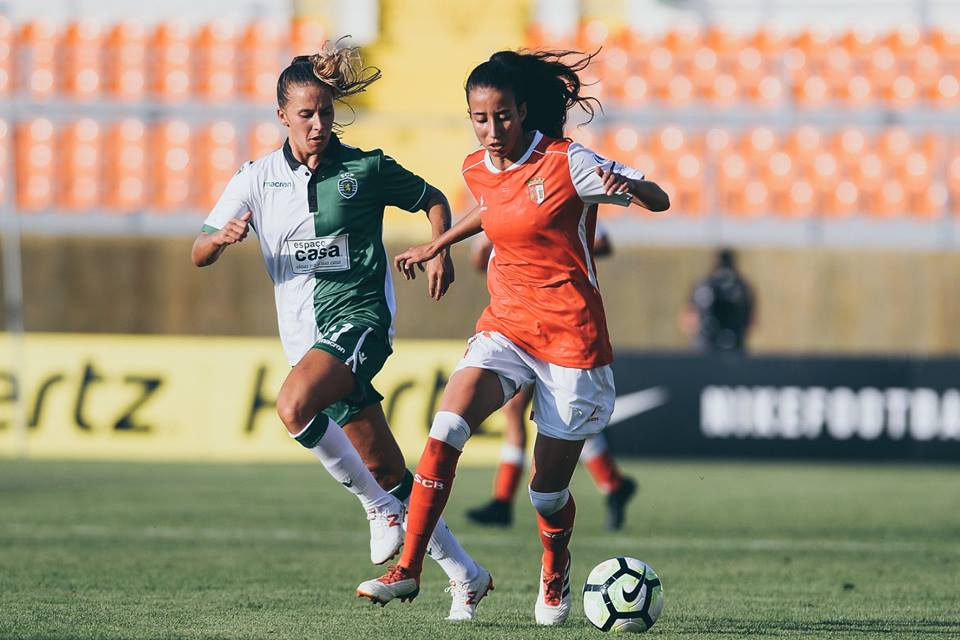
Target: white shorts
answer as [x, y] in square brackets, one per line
[568, 403]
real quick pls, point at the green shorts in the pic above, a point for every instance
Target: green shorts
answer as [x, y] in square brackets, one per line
[364, 350]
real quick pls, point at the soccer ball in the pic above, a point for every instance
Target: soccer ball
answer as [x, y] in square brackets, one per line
[622, 594]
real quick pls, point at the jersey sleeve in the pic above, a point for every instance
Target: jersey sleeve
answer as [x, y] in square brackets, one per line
[583, 172]
[400, 187]
[233, 202]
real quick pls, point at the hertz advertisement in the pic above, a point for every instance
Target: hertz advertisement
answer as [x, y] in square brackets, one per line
[192, 398]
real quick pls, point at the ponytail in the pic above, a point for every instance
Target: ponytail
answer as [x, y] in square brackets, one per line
[543, 80]
[338, 68]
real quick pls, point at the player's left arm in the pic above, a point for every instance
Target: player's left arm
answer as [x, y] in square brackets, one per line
[402, 188]
[643, 192]
[440, 270]
[602, 181]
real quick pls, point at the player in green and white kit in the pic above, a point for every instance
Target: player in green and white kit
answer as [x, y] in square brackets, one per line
[316, 206]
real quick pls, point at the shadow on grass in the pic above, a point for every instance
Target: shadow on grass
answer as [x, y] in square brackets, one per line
[869, 627]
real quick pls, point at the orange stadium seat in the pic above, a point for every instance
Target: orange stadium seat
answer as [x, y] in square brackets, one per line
[748, 67]
[704, 68]
[6, 55]
[621, 141]
[902, 92]
[171, 168]
[688, 177]
[261, 60]
[34, 149]
[636, 91]
[905, 41]
[843, 200]
[215, 48]
[932, 202]
[216, 158]
[894, 144]
[849, 144]
[945, 94]
[857, 92]
[800, 200]
[81, 52]
[869, 174]
[733, 172]
[594, 34]
[717, 143]
[683, 39]
[925, 68]
[171, 62]
[263, 138]
[803, 144]
[754, 200]
[758, 144]
[125, 184]
[813, 41]
[859, 43]
[953, 181]
[812, 91]
[79, 164]
[37, 59]
[679, 91]
[307, 35]
[771, 42]
[658, 70]
[4, 159]
[778, 172]
[125, 67]
[726, 43]
[824, 172]
[669, 143]
[890, 200]
[639, 44]
[882, 67]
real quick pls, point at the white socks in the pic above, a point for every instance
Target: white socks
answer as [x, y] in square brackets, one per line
[452, 558]
[341, 460]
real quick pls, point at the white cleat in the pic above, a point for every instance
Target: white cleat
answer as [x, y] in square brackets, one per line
[386, 531]
[553, 601]
[397, 582]
[467, 595]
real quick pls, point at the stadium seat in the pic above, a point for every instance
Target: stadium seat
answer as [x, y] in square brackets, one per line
[894, 144]
[945, 94]
[848, 145]
[171, 169]
[803, 144]
[732, 176]
[35, 72]
[668, 143]
[216, 160]
[758, 144]
[799, 200]
[261, 61]
[125, 183]
[171, 62]
[4, 159]
[125, 67]
[882, 67]
[841, 200]
[263, 138]
[688, 178]
[6, 55]
[636, 91]
[35, 164]
[658, 70]
[307, 35]
[889, 201]
[215, 49]
[79, 165]
[81, 51]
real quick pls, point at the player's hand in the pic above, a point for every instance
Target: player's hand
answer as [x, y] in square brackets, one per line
[235, 230]
[440, 274]
[413, 258]
[613, 182]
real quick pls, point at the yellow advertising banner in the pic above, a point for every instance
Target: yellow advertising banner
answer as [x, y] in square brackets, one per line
[193, 398]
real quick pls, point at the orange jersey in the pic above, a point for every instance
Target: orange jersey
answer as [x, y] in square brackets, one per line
[539, 215]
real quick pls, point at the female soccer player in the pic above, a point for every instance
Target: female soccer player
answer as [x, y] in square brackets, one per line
[617, 488]
[545, 324]
[316, 206]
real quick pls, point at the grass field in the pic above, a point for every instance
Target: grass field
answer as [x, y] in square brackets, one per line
[106, 550]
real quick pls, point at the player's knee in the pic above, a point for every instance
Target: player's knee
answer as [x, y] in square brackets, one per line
[450, 428]
[293, 412]
[548, 503]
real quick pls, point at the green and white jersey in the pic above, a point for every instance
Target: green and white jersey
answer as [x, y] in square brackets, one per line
[321, 236]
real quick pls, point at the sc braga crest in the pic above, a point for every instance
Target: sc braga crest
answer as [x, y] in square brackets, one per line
[536, 190]
[347, 185]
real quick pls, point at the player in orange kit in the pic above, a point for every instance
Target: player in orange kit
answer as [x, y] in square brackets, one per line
[617, 488]
[545, 324]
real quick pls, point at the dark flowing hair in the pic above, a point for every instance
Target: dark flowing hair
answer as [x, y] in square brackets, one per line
[546, 81]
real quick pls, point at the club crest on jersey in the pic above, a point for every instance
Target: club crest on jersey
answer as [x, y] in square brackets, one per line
[536, 190]
[347, 185]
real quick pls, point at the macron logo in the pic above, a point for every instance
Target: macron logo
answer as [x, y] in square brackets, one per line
[277, 184]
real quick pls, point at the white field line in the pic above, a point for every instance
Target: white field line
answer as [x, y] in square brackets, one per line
[34, 532]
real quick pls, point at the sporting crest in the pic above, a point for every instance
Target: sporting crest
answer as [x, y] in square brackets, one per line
[347, 185]
[536, 190]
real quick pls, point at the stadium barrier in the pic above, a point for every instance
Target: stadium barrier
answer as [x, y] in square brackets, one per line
[212, 398]
[885, 408]
[195, 398]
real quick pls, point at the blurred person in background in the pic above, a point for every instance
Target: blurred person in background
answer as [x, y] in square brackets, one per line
[545, 324]
[720, 310]
[317, 207]
[617, 488]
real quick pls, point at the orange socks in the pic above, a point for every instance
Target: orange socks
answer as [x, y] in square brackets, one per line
[603, 469]
[432, 483]
[555, 531]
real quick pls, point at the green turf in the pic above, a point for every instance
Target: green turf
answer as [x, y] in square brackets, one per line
[102, 550]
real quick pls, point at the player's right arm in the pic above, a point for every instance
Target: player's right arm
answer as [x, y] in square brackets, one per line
[208, 247]
[228, 222]
[414, 257]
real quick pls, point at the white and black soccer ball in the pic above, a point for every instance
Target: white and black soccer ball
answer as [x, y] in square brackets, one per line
[622, 594]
